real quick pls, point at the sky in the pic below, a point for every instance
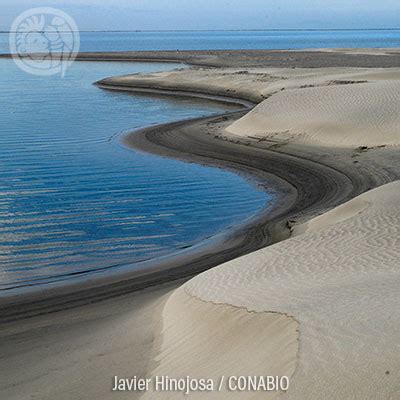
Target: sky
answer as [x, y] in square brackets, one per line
[216, 14]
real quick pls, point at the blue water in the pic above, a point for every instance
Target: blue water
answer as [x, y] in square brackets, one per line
[73, 198]
[236, 40]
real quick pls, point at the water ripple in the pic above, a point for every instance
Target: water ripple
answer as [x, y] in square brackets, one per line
[72, 201]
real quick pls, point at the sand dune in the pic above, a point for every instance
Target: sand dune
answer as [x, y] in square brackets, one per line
[362, 114]
[255, 84]
[321, 307]
[339, 280]
[324, 106]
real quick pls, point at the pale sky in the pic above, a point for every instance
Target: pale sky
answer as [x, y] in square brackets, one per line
[215, 14]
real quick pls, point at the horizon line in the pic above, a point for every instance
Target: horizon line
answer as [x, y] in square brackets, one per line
[228, 30]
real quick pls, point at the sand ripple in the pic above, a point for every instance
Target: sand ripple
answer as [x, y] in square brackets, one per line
[361, 114]
[338, 278]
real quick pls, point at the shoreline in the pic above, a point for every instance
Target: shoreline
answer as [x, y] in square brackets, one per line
[290, 175]
[310, 188]
[183, 264]
[241, 239]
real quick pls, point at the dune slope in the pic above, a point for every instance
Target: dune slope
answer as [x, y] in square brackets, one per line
[337, 281]
[357, 114]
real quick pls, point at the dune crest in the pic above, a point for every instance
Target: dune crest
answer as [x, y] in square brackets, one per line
[344, 115]
[338, 214]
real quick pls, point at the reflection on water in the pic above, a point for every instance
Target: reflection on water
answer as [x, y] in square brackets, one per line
[72, 198]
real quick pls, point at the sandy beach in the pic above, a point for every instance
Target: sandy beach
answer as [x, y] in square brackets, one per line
[307, 290]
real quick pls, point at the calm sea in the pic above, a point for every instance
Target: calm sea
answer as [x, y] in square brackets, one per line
[189, 40]
[74, 199]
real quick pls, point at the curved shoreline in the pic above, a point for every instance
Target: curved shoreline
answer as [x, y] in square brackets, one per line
[305, 187]
[221, 98]
[215, 250]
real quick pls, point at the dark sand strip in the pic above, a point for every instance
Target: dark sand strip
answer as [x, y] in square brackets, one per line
[253, 58]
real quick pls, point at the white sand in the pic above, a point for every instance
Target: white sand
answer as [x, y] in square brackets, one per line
[340, 280]
[363, 114]
[206, 340]
[312, 106]
[323, 306]
[256, 83]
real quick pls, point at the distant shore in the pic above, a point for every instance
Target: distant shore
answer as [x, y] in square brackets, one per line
[312, 58]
